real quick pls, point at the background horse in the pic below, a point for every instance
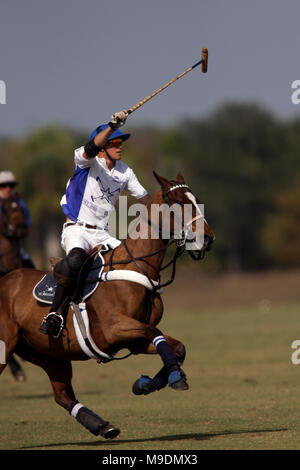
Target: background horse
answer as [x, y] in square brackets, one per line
[13, 230]
[122, 313]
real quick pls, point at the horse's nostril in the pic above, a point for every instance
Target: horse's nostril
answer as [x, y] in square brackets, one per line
[208, 240]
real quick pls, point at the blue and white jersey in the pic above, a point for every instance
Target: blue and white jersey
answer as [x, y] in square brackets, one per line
[93, 190]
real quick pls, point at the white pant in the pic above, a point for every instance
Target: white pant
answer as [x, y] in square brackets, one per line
[76, 236]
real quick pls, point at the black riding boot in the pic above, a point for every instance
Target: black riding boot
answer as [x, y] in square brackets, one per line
[66, 272]
[53, 323]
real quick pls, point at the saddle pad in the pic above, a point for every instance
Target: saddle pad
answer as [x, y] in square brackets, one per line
[45, 289]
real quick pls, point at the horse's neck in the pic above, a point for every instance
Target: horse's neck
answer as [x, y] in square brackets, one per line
[9, 253]
[149, 242]
[141, 249]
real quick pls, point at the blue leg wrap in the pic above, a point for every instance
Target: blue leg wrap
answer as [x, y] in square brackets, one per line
[175, 376]
[143, 386]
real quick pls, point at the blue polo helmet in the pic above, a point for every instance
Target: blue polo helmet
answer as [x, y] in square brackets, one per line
[116, 135]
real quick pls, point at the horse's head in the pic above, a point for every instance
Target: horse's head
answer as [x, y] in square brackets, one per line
[13, 219]
[188, 225]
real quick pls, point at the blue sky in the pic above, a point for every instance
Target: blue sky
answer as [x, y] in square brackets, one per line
[75, 63]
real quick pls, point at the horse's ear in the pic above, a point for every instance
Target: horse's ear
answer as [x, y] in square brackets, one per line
[161, 180]
[180, 178]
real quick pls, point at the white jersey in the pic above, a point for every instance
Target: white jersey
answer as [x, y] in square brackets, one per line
[93, 190]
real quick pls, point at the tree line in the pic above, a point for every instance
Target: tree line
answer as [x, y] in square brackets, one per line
[241, 161]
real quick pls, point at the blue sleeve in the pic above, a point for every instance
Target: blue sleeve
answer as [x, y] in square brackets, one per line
[27, 213]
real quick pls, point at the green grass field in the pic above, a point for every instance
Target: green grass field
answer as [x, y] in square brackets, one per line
[244, 390]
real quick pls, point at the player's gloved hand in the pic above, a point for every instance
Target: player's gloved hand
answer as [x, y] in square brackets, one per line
[118, 119]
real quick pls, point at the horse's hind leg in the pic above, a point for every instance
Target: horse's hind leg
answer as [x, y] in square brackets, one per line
[60, 375]
[16, 369]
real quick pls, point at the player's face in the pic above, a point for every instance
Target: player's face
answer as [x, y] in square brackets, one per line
[6, 190]
[114, 148]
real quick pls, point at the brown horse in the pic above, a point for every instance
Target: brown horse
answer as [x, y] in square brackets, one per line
[119, 312]
[13, 230]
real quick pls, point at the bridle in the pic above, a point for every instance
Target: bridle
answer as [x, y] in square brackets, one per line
[181, 240]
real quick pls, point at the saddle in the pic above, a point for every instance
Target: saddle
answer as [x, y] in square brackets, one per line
[87, 282]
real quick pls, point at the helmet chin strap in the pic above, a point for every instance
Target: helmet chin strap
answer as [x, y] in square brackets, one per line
[107, 154]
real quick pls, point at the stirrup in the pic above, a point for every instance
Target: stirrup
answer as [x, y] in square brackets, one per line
[52, 324]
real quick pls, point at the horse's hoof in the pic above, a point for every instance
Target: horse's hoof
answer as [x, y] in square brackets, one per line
[180, 385]
[109, 431]
[143, 386]
[136, 389]
[177, 379]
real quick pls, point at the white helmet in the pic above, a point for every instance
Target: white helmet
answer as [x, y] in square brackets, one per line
[7, 177]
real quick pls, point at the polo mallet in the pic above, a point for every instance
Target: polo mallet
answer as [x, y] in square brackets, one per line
[203, 63]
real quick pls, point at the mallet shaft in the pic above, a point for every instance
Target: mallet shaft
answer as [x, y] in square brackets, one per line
[203, 61]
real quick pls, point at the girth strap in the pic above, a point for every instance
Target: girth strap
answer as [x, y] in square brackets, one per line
[81, 325]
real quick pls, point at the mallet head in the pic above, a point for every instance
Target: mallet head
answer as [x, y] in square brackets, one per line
[204, 59]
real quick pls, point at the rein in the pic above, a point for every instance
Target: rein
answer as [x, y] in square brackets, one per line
[111, 263]
[178, 252]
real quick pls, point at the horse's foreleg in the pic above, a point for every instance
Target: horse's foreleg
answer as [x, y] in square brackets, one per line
[141, 337]
[145, 385]
[149, 348]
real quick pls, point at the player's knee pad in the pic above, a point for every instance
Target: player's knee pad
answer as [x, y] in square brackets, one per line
[67, 269]
[75, 259]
